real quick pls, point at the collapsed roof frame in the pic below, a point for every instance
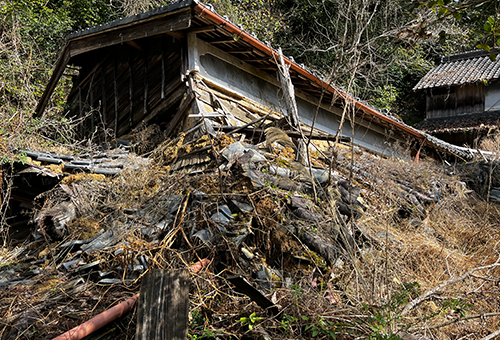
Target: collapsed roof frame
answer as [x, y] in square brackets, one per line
[177, 20]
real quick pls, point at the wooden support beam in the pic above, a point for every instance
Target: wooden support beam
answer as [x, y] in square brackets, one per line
[301, 83]
[256, 59]
[91, 102]
[203, 29]
[134, 45]
[268, 67]
[239, 50]
[115, 90]
[54, 79]
[104, 107]
[163, 68]
[163, 306]
[179, 115]
[130, 93]
[174, 22]
[146, 88]
[292, 134]
[221, 41]
[173, 94]
[80, 108]
[179, 35]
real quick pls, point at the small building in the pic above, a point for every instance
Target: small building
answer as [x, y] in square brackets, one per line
[463, 98]
[182, 65]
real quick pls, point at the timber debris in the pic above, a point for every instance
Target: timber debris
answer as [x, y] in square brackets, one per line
[266, 227]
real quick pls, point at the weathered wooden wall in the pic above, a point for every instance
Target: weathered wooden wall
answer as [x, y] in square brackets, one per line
[454, 101]
[125, 84]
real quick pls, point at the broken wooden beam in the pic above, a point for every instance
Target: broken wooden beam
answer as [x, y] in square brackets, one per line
[292, 134]
[185, 105]
[163, 305]
[246, 288]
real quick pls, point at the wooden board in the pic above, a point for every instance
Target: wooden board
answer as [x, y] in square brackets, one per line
[171, 23]
[163, 306]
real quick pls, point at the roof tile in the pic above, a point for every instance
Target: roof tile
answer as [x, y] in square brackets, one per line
[461, 69]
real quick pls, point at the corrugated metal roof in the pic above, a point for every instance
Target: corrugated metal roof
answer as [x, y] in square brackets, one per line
[461, 69]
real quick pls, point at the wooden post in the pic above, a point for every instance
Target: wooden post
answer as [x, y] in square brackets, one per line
[145, 83]
[115, 90]
[130, 92]
[163, 306]
[288, 91]
[163, 68]
[104, 108]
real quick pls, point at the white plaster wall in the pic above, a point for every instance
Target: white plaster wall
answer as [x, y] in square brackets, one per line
[492, 97]
[231, 73]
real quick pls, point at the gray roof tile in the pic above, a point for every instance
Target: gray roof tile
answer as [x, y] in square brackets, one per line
[461, 69]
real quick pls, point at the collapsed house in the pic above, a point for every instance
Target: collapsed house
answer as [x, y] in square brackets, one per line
[272, 235]
[462, 98]
[183, 64]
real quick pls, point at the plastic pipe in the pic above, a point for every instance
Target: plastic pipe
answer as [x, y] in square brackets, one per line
[113, 313]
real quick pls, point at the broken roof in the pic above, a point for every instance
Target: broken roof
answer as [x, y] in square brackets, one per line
[460, 69]
[191, 16]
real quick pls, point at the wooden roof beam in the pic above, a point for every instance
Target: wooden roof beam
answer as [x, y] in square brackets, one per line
[239, 50]
[168, 24]
[134, 45]
[255, 59]
[203, 29]
[221, 41]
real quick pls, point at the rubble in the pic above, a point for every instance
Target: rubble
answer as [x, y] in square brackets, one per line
[271, 228]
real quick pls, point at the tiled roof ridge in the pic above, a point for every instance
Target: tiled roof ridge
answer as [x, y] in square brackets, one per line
[467, 55]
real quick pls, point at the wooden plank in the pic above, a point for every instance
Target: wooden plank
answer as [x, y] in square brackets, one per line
[134, 45]
[54, 79]
[80, 108]
[163, 306]
[163, 69]
[145, 84]
[130, 92]
[221, 41]
[171, 23]
[104, 112]
[293, 134]
[203, 29]
[91, 90]
[256, 59]
[172, 97]
[179, 115]
[239, 50]
[115, 128]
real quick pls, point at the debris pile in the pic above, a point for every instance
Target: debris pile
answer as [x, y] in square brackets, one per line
[323, 248]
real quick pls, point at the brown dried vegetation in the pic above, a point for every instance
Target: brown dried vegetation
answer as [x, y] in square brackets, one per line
[365, 293]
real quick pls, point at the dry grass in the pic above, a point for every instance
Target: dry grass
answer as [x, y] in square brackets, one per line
[359, 296]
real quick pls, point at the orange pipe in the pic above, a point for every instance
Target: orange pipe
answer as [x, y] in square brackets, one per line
[99, 321]
[195, 268]
[218, 20]
[113, 313]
